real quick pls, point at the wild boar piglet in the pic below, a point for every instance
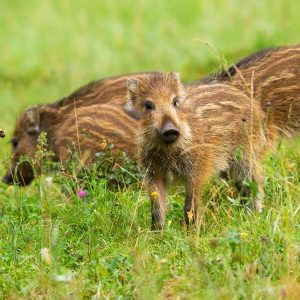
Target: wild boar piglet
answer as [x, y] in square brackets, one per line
[193, 133]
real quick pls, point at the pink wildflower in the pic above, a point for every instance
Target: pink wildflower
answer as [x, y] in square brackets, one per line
[81, 193]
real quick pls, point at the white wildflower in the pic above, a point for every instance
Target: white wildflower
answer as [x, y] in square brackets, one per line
[49, 181]
[46, 256]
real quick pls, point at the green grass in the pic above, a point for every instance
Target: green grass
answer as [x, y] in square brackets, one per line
[100, 246]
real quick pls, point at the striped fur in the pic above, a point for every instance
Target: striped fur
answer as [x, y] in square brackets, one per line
[275, 84]
[272, 76]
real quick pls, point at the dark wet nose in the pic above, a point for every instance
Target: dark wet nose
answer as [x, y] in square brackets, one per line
[2, 133]
[169, 133]
[8, 179]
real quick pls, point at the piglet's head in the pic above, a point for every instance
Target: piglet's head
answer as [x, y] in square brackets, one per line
[157, 99]
[24, 144]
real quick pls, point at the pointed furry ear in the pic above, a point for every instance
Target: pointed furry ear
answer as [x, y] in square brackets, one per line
[132, 84]
[180, 86]
[46, 111]
[129, 107]
[31, 120]
[176, 76]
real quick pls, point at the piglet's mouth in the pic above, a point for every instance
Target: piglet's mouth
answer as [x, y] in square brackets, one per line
[22, 175]
[10, 180]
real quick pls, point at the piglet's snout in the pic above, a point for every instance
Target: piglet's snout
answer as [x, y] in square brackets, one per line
[8, 179]
[169, 132]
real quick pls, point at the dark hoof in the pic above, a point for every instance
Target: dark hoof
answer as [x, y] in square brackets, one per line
[157, 227]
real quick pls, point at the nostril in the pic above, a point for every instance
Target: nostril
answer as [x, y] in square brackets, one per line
[170, 135]
[171, 132]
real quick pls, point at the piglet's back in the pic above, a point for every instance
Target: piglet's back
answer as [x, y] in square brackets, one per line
[221, 119]
[273, 76]
[89, 129]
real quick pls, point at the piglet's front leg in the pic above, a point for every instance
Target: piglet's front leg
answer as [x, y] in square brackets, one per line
[194, 189]
[157, 194]
[191, 202]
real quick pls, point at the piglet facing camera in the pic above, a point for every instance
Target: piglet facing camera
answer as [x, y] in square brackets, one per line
[192, 134]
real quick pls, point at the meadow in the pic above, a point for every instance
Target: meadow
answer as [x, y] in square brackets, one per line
[56, 245]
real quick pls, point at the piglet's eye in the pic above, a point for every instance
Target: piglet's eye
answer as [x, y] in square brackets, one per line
[149, 105]
[175, 101]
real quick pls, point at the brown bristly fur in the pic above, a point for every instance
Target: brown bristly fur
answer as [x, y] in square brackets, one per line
[276, 84]
[215, 122]
[276, 76]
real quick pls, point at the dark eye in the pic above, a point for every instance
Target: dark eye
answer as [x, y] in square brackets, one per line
[148, 105]
[176, 102]
[14, 143]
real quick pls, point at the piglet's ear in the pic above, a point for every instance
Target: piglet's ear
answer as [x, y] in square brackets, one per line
[47, 112]
[176, 76]
[31, 120]
[179, 86]
[129, 107]
[133, 85]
